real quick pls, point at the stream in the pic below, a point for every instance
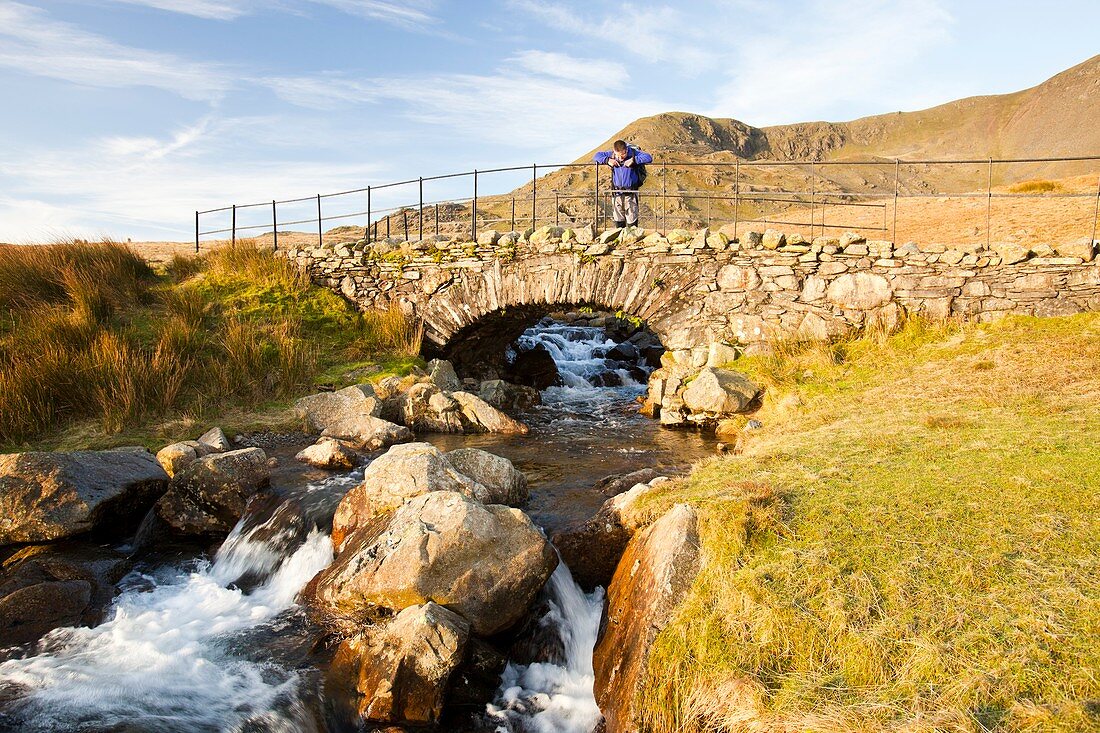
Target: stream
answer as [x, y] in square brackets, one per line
[190, 646]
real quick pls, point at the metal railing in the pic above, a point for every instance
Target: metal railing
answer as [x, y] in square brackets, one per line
[389, 206]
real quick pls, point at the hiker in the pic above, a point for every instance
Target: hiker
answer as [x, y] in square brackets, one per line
[627, 177]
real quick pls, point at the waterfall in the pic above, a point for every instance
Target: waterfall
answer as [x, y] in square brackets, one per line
[544, 697]
[165, 660]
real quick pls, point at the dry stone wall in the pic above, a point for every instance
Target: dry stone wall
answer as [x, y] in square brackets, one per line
[702, 292]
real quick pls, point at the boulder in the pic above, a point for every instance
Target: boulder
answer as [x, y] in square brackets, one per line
[398, 671]
[175, 457]
[215, 439]
[738, 278]
[351, 413]
[43, 587]
[47, 496]
[426, 408]
[443, 375]
[506, 484]
[486, 563]
[401, 473]
[654, 575]
[679, 236]
[612, 485]
[488, 237]
[592, 548]
[859, 291]
[481, 417]
[720, 392]
[330, 453]
[209, 496]
[773, 239]
[507, 396]
[1083, 248]
[535, 368]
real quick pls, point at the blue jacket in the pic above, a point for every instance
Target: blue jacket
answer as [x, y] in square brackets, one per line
[621, 176]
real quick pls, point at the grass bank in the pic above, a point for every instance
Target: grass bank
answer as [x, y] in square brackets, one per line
[98, 349]
[912, 541]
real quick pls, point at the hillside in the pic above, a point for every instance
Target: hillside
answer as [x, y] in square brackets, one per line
[1055, 118]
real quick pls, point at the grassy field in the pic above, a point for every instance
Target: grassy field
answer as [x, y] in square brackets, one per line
[99, 349]
[911, 543]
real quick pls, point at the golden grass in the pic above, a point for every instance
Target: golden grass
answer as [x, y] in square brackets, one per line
[910, 543]
[91, 333]
[1036, 186]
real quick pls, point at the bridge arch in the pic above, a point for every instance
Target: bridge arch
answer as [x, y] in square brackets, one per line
[478, 314]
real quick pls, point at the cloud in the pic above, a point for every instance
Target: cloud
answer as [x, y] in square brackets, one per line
[146, 186]
[833, 61]
[409, 14]
[653, 33]
[32, 43]
[594, 73]
[551, 100]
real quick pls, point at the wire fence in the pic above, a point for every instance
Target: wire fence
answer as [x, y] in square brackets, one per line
[820, 196]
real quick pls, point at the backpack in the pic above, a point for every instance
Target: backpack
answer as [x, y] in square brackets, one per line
[639, 169]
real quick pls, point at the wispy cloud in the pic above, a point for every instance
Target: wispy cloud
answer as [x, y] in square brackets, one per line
[651, 32]
[844, 57]
[593, 73]
[34, 44]
[409, 14]
[554, 101]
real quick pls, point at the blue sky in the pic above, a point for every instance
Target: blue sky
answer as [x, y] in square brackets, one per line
[122, 117]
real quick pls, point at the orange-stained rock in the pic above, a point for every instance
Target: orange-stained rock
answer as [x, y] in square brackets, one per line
[652, 578]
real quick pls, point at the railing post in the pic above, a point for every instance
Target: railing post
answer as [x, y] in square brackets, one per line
[436, 218]
[813, 196]
[894, 229]
[513, 214]
[274, 227]
[534, 186]
[420, 219]
[664, 198]
[557, 207]
[473, 211]
[736, 194]
[196, 232]
[366, 234]
[320, 237]
[405, 221]
[388, 217]
[234, 225]
[1095, 212]
[988, 203]
[596, 199]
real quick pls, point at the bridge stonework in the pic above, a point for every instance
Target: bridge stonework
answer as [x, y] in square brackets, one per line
[695, 290]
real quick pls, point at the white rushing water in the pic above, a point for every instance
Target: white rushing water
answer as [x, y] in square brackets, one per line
[556, 698]
[162, 662]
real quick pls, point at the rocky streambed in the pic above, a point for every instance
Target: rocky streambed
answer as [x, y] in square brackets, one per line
[371, 583]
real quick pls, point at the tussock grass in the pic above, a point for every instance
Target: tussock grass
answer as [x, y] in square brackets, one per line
[1036, 186]
[910, 543]
[91, 333]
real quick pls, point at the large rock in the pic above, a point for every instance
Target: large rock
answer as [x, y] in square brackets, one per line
[479, 416]
[427, 409]
[654, 575]
[175, 457]
[719, 392]
[592, 548]
[43, 587]
[46, 496]
[402, 472]
[330, 453]
[398, 671]
[209, 496]
[535, 367]
[507, 396]
[859, 291]
[443, 375]
[215, 440]
[506, 484]
[486, 563]
[351, 413]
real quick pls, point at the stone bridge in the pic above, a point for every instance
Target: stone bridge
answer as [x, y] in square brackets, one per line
[699, 292]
